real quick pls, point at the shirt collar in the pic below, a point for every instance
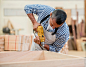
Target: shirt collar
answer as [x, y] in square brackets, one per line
[62, 25]
[49, 30]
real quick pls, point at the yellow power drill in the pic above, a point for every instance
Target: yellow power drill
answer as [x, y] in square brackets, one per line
[41, 34]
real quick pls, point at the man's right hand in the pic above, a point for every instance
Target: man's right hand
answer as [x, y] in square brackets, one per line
[35, 25]
[34, 22]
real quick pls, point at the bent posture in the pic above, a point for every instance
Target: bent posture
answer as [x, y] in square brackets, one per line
[56, 30]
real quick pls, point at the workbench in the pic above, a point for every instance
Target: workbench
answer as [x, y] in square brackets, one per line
[39, 59]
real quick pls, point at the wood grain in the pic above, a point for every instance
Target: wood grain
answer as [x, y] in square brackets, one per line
[39, 59]
[68, 12]
[85, 14]
[73, 29]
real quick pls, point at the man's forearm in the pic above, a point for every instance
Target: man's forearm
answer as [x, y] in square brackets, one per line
[32, 18]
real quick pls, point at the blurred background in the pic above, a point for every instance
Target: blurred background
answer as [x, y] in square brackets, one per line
[14, 21]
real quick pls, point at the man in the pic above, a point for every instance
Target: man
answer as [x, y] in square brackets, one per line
[56, 30]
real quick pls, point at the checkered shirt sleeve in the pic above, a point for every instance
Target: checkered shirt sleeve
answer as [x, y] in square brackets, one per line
[62, 37]
[40, 10]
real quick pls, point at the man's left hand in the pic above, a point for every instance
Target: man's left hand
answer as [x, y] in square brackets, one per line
[37, 40]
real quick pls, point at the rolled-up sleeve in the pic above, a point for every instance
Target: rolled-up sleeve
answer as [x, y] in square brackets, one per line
[34, 8]
[58, 44]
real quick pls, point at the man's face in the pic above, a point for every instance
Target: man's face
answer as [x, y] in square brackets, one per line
[53, 23]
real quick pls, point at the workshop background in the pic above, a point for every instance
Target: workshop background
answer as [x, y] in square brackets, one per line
[13, 10]
[14, 19]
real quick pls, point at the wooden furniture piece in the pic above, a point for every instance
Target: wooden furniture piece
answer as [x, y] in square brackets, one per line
[83, 43]
[77, 23]
[79, 42]
[73, 29]
[18, 42]
[1, 43]
[82, 32]
[39, 59]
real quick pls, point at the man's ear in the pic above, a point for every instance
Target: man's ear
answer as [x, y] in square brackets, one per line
[50, 14]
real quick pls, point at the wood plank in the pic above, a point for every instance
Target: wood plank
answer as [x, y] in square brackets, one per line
[77, 53]
[48, 63]
[82, 28]
[85, 14]
[79, 47]
[77, 25]
[68, 12]
[20, 56]
[39, 59]
[73, 29]
[53, 55]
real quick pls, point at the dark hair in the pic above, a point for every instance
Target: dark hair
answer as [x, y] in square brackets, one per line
[60, 16]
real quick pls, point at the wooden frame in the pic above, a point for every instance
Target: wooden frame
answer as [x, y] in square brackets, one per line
[39, 59]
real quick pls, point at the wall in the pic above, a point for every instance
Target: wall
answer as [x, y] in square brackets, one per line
[0, 14]
[22, 21]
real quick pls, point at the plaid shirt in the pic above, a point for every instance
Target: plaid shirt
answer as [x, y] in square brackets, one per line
[62, 34]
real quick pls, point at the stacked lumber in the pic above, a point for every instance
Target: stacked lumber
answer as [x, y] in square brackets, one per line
[18, 42]
[39, 59]
[1, 43]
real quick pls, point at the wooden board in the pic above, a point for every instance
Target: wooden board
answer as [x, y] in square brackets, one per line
[39, 59]
[85, 14]
[77, 53]
[68, 12]
[18, 42]
[79, 47]
[73, 29]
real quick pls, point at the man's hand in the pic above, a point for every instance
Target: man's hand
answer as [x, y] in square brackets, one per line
[37, 40]
[34, 22]
[35, 25]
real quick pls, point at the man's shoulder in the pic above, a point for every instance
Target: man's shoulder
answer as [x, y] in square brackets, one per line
[64, 29]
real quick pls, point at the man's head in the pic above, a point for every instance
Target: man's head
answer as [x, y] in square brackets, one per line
[57, 18]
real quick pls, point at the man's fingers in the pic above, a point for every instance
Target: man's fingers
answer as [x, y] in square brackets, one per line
[35, 26]
[34, 40]
[35, 29]
[37, 40]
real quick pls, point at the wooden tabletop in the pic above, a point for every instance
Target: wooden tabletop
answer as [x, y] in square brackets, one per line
[77, 53]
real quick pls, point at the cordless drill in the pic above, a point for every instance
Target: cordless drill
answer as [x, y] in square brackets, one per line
[41, 34]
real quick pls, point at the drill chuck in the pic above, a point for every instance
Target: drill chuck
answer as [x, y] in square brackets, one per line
[42, 43]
